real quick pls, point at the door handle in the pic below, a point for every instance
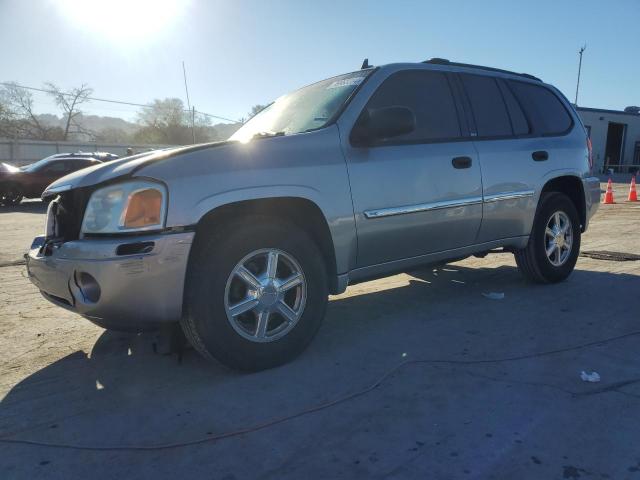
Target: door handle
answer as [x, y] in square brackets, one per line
[461, 162]
[540, 156]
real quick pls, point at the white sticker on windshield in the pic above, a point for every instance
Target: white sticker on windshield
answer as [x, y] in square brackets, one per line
[346, 82]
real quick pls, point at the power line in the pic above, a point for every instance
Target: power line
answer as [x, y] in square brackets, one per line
[120, 102]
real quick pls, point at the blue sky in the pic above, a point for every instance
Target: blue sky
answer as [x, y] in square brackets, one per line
[240, 53]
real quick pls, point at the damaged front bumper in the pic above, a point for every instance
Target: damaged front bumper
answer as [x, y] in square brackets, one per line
[123, 282]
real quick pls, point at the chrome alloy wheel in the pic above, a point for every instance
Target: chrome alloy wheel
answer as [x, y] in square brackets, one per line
[265, 295]
[558, 238]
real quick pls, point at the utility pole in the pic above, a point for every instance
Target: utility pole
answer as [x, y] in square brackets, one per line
[193, 121]
[580, 52]
[191, 111]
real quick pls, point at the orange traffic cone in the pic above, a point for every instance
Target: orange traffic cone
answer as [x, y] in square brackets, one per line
[633, 196]
[608, 197]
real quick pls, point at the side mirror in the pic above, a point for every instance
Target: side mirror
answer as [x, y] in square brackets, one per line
[382, 123]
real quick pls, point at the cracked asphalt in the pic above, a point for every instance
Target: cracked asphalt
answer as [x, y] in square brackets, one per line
[413, 376]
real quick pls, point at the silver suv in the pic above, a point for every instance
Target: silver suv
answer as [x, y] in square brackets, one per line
[351, 178]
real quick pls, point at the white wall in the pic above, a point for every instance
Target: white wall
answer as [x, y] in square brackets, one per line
[599, 120]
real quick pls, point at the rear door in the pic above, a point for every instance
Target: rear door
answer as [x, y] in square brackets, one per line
[516, 125]
[421, 192]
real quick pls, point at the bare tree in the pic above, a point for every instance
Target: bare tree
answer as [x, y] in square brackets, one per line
[18, 116]
[70, 101]
[7, 119]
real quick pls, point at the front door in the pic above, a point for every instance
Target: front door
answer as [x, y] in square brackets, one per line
[421, 192]
[47, 175]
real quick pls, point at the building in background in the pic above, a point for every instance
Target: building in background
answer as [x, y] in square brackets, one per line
[615, 138]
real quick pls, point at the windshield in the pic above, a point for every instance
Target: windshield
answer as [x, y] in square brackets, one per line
[306, 109]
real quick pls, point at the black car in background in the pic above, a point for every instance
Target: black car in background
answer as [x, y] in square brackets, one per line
[102, 156]
[30, 181]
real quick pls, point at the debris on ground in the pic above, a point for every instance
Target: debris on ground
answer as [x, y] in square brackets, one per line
[592, 377]
[494, 295]
[610, 256]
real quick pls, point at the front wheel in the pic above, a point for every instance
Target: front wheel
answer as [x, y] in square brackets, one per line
[554, 243]
[11, 195]
[256, 293]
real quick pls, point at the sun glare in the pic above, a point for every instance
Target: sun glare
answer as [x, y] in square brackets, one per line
[122, 21]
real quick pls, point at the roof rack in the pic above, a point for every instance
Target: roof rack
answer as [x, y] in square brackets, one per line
[444, 61]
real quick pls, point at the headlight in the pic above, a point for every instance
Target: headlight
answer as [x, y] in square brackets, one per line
[126, 207]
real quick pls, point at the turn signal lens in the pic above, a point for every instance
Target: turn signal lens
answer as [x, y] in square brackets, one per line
[144, 209]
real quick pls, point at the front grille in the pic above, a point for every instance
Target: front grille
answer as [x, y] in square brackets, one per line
[69, 213]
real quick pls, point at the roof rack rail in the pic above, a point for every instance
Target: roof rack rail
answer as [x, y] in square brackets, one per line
[444, 61]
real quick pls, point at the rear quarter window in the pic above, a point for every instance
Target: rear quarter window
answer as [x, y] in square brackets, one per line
[547, 114]
[518, 120]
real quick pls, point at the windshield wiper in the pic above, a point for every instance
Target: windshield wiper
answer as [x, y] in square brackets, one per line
[268, 134]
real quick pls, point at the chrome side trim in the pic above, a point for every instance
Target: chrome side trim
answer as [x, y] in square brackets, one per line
[422, 207]
[508, 196]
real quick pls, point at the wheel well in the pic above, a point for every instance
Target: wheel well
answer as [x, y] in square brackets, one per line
[573, 188]
[304, 213]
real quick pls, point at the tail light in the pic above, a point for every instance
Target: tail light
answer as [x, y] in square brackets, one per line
[590, 150]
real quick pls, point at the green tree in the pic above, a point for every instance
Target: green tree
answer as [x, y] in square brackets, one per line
[168, 122]
[256, 109]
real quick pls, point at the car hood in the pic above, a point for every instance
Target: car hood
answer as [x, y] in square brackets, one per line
[6, 168]
[121, 167]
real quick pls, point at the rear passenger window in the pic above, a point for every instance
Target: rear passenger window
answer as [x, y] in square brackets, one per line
[489, 110]
[545, 110]
[518, 120]
[429, 96]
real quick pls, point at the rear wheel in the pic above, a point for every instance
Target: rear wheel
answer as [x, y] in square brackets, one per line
[256, 293]
[554, 243]
[10, 195]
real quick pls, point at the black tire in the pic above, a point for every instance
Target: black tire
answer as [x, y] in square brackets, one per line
[215, 253]
[11, 195]
[532, 260]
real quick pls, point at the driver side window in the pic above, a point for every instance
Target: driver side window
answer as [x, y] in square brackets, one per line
[429, 96]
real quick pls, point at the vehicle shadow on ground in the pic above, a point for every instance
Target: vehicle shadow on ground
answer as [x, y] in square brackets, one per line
[97, 396]
[26, 207]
